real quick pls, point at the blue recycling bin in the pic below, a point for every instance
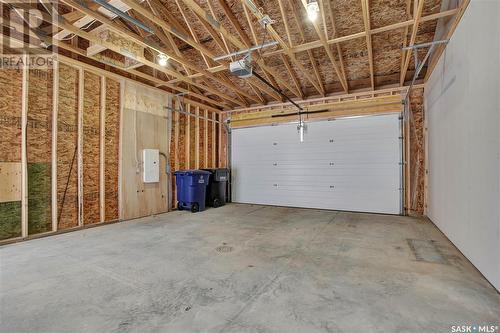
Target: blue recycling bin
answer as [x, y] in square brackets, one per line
[191, 189]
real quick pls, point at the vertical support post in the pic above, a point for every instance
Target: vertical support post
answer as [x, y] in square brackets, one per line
[407, 165]
[187, 137]
[55, 108]
[214, 140]
[168, 153]
[219, 133]
[176, 144]
[120, 151]
[102, 152]
[24, 155]
[205, 140]
[80, 145]
[197, 138]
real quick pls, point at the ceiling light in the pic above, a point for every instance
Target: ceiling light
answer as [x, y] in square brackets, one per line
[162, 60]
[312, 10]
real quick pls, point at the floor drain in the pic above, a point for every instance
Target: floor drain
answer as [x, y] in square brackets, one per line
[224, 249]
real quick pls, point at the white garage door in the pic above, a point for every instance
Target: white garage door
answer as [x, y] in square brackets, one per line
[351, 164]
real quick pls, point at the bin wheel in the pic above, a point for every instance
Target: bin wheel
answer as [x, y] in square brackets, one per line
[179, 206]
[216, 203]
[195, 207]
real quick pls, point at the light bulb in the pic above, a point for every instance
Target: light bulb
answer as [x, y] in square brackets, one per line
[162, 60]
[312, 10]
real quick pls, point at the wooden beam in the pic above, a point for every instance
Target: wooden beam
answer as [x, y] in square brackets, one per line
[55, 107]
[24, 152]
[191, 41]
[317, 44]
[80, 145]
[275, 35]
[328, 50]
[187, 138]
[292, 74]
[205, 139]
[366, 20]
[141, 59]
[214, 140]
[234, 22]
[407, 55]
[309, 52]
[440, 48]
[337, 45]
[220, 29]
[102, 156]
[197, 138]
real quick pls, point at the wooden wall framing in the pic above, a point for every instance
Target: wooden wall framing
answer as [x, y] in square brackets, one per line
[62, 168]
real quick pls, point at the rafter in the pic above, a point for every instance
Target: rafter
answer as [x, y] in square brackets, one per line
[407, 55]
[290, 72]
[303, 38]
[185, 36]
[337, 45]
[440, 48]
[208, 61]
[317, 44]
[366, 20]
[284, 46]
[236, 42]
[328, 50]
[61, 23]
[82, 53]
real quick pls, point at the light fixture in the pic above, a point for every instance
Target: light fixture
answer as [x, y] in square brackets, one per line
[301, 128]
[162, 60]
[312, 10]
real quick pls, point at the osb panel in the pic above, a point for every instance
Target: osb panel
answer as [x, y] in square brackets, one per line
[417, 152]
[10, 115]
[91, 147]
[111, 149]
[10, 181]
[39, 150]
[67, 139]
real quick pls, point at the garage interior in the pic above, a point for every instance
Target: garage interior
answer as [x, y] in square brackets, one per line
[362, 139]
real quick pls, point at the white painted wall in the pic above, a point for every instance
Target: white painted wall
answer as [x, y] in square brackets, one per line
[462, 99]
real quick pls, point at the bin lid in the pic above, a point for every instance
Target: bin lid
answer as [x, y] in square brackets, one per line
[191, 172]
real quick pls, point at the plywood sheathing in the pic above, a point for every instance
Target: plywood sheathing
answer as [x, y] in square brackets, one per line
[10, 115]
[417, 153]
[10, 150]
[39, 153]
[144, 127]
[67, 140]
[91, 147]
[111, 149]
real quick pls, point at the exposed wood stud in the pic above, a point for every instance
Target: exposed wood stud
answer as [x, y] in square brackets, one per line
[55, 105]
[197, 138]
[102, 141]
[24, 153]
[80, 146]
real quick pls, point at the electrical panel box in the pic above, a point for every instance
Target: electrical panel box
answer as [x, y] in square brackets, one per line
[151, 158]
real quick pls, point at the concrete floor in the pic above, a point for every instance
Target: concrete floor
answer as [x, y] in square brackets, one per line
[245, 268]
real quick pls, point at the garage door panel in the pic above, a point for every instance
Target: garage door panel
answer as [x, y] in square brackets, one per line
[348, 164]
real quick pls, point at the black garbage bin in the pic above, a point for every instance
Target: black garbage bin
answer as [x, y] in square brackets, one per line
[216, 195]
